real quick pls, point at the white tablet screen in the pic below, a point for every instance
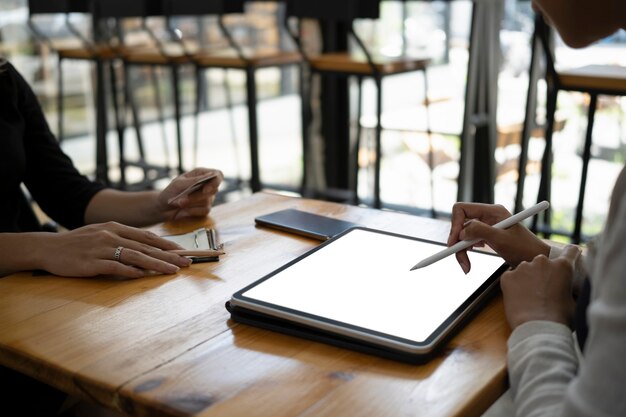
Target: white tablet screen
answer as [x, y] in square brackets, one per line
[363, 279]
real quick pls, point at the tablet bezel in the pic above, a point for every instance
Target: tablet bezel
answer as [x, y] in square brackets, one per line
[372, 337]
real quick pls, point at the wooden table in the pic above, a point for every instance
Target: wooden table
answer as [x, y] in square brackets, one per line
[164, 345]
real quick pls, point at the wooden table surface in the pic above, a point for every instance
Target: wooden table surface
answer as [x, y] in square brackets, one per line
[164, 345]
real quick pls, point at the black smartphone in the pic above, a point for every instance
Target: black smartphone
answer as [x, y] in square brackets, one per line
[304, 223]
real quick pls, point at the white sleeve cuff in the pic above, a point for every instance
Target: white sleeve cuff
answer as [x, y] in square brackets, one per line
[538, 329]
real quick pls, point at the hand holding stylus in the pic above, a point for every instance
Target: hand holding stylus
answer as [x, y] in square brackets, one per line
[505, 244]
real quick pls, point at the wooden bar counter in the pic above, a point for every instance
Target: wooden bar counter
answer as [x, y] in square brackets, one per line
[165, 346]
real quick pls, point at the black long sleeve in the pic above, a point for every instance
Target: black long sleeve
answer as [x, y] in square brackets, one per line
[30, 154]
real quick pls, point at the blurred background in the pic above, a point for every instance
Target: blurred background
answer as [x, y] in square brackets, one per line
[439, 30]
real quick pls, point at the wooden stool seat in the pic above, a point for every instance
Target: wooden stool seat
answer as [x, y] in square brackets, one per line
[231, 54]
[256, 59]
[344, 62]
[594, 80]
[609, 78]
[341, 60]
[153, 56]
[81, 52]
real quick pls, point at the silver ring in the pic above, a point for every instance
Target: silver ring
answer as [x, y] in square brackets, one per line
[118, 253]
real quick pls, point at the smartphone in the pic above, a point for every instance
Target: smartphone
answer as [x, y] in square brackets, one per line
[193, 187]
[304, 223]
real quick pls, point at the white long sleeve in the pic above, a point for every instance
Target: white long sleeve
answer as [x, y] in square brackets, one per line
[546, 376]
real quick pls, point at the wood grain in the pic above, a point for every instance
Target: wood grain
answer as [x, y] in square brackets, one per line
[164, 345]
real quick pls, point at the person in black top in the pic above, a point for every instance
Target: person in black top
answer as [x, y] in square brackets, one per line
[99, 221]
[104, 217]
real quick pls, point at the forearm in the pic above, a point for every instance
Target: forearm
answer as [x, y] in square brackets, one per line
[542, 362]
[130, 208]
[21, 251]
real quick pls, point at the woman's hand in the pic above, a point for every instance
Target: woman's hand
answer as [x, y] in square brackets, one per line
[196, 204]
[540, 289]
[90, 251]
[472, 221]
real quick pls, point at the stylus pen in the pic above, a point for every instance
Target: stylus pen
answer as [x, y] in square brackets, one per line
[464, 244]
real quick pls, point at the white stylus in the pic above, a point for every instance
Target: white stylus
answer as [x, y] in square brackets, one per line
[464, 244]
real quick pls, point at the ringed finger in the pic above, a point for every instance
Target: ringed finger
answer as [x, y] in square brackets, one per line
[135, 258]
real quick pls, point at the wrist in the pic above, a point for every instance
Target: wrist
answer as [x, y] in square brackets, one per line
[544, 248]
[23, 251]
[158, 207]
[535, 330]
[40, 251]
[520, 321]
[153, 207]
[545, 315]
[531, 249]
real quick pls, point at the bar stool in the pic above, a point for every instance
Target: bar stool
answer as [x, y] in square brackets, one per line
[99, 53]
[347, 64]
[594, 80]
[235, 57]
[87, 50]
[156, 55]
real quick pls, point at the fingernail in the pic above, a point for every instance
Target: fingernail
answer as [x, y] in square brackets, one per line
[172, 269]
[465, 267]
[184, 261]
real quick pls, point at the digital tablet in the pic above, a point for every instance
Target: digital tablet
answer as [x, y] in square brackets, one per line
[356, 291]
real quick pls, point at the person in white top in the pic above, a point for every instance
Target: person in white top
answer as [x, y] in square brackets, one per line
[548, 373]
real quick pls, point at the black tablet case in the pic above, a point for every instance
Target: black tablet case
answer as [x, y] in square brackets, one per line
[265, 321]
[254, 318]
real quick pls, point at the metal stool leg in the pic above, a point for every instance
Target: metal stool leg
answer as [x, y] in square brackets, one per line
[576, 237]
[129, 101]
[431, 156]
[354, 186]
[119, 125]
[60, 106]
[255, 178]
[196, 114]
[546, 163]
[102, 169]
[304, 111]
[177, 116]
[529, 121]
[379, 153]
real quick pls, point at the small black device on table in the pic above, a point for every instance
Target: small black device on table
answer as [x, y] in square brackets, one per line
[304, 223]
